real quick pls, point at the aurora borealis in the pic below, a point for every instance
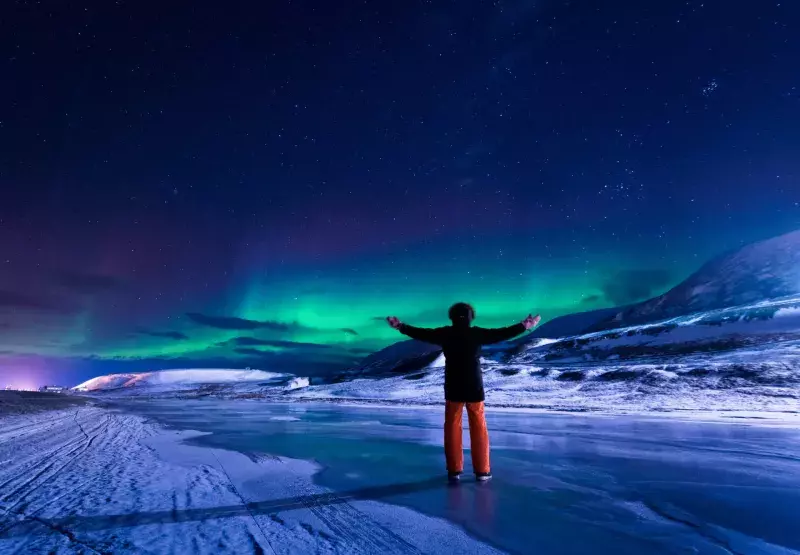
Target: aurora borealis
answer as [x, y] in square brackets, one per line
[182, 186]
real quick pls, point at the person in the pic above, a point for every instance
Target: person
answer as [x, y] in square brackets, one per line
[463, 382]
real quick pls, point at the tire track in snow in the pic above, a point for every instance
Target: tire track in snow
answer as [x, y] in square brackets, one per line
[25, 428]
[79, 450]
[99, 461]
[356, 528]
[119, 471]
[38, 461]
[244, 502]
[73, 450]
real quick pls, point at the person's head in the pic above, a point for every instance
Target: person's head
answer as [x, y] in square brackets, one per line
[461, 314]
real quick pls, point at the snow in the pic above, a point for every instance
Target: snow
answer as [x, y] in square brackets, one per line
[726, 339]
[744, 358]
[438, 363]
[297, 383]
[792, 312]
[542, 342]
[563, 483]
[90, 480]
[732, 360]
[176, 377]
[641, 389]
[244, 477]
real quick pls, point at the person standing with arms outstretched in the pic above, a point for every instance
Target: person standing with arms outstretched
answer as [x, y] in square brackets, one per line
[463, 382]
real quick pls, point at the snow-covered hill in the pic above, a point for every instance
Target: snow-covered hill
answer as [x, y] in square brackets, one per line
[399, 358]
[758, 273]
[728, 338]
[741, 358]
[709, 331]
[178, 378]
[572, 324]
[761, 271]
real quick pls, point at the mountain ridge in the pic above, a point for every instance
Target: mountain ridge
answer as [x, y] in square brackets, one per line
[764, 270]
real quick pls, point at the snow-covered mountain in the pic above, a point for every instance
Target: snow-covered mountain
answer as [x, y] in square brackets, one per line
[728, 338]
[727, 329]
[761, 271]
[178, 378]
[398, 358]
[572, 324]
[743, 358]
[410, 356]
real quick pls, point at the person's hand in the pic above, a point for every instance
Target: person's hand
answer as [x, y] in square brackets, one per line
[531, 321]
[394, 322]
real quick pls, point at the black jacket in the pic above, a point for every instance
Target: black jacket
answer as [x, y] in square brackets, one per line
[463, 381]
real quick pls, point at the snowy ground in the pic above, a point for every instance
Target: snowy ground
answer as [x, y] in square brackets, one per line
[294, 478]
[93, 481]
[565, 484]
[763, 379]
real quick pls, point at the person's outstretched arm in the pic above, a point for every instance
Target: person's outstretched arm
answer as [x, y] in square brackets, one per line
[497, 335]
[426, 335]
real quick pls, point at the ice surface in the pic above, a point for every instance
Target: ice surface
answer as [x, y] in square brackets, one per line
[253, 477]
[94, 481]
[563, 483]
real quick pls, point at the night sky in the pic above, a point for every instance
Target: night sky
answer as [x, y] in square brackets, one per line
[231, 184]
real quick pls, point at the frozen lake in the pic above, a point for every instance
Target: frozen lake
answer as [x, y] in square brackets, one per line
[563, 483]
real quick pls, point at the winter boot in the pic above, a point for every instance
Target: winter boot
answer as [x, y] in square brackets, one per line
[454, 477]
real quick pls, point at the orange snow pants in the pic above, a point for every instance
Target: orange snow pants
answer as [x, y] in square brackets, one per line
[478, 436]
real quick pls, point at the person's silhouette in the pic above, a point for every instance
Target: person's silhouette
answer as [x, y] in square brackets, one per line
[463, 382]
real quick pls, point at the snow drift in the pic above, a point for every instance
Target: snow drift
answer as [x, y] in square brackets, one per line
[297, 383]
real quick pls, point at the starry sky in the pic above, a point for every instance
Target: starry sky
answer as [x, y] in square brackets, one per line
[199, 184]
